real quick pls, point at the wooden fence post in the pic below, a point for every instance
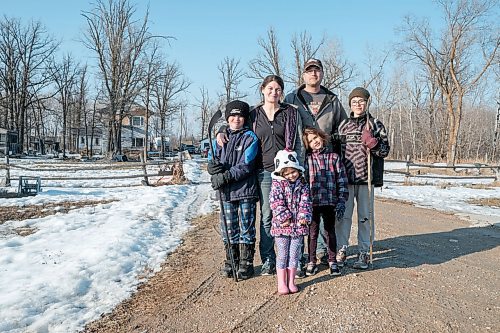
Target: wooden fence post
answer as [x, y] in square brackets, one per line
[7, 171]
[143, 165]
[407, 175]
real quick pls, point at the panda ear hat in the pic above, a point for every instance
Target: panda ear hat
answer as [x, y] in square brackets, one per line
[286, 159]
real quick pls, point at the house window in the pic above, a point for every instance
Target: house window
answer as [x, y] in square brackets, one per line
[82, 140]
[137, 142]
[97, 141]
[137, 121]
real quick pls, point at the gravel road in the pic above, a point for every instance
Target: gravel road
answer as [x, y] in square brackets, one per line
[432, 273]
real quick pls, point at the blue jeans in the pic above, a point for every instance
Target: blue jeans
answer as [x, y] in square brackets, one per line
[266, 243]
[322, 238]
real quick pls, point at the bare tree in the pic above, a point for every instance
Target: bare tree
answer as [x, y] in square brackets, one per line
[151, 75]
[303, 48]
[415, 91]
[183, 123]
[205, 111]
[119, 42]
[25, 51]
[452, 60]
[268, 61]
[95, 122]
[65, 75]
[231, 78]
[81, 106]
[496, 131]
[338, 71]
[166, 90]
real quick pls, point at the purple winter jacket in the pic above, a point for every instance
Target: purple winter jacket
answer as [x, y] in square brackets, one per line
[290, 201]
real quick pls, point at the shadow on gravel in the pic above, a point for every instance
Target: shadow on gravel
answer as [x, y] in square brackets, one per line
[434, 248]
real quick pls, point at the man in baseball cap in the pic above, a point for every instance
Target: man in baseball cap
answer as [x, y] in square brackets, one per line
[320, 108]
[313, 62]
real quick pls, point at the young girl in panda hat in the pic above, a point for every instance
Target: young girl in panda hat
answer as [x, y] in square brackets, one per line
[291, 206]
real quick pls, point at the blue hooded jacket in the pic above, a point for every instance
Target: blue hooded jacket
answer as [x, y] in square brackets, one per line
[238, 156]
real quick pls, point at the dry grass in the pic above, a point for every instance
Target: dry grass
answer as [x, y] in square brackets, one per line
[25, 231]
[445, 184]
[491, 202]
[488, 186]
[412, 183]
[452, 172]
[36, 211]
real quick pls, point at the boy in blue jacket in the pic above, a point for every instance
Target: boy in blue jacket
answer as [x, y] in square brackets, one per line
[233, 173]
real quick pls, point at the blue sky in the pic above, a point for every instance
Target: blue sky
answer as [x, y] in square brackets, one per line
[208, 31]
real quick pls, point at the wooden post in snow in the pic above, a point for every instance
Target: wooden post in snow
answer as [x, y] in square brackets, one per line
[407, 175]
[143, 156]
[7, 171]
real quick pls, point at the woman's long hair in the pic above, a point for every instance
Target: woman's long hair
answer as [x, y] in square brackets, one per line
[270, 78]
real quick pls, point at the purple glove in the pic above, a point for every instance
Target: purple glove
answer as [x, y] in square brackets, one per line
[367, 138]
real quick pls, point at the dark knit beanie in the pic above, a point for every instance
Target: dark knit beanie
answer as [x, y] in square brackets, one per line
[236, 107]
[359, 92]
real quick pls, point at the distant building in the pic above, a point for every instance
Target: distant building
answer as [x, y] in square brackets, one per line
[9, 142]
[157, 143]
[133, 134]
[48, 144]
[90, 141]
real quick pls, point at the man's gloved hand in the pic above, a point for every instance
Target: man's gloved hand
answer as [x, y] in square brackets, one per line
[215, 167]
[368, 139]
[220, 179]
[339, 211]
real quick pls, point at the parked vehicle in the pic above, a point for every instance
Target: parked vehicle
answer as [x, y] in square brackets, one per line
[190, 148]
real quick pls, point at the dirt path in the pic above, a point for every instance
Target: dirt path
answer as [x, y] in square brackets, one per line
[433, 273]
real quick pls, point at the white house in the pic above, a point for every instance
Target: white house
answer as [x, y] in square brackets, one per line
[91, 140]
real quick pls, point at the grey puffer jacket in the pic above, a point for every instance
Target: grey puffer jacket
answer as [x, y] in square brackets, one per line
[328, 119]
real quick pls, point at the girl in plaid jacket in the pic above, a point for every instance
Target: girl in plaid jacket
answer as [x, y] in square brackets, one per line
[329, 193]
[291, 205]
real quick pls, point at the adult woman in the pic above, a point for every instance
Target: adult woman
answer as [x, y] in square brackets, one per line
[278, 126]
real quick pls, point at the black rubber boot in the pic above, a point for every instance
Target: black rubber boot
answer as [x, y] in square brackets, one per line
[227, 270]
[247, 252]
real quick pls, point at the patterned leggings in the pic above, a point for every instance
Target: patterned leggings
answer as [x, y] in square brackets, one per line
[289, 251]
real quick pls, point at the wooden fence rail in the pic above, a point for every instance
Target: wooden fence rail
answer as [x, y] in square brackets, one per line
[164, 167]
[117, 166]
[98, 178]
[477, 166]
[432, 166]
